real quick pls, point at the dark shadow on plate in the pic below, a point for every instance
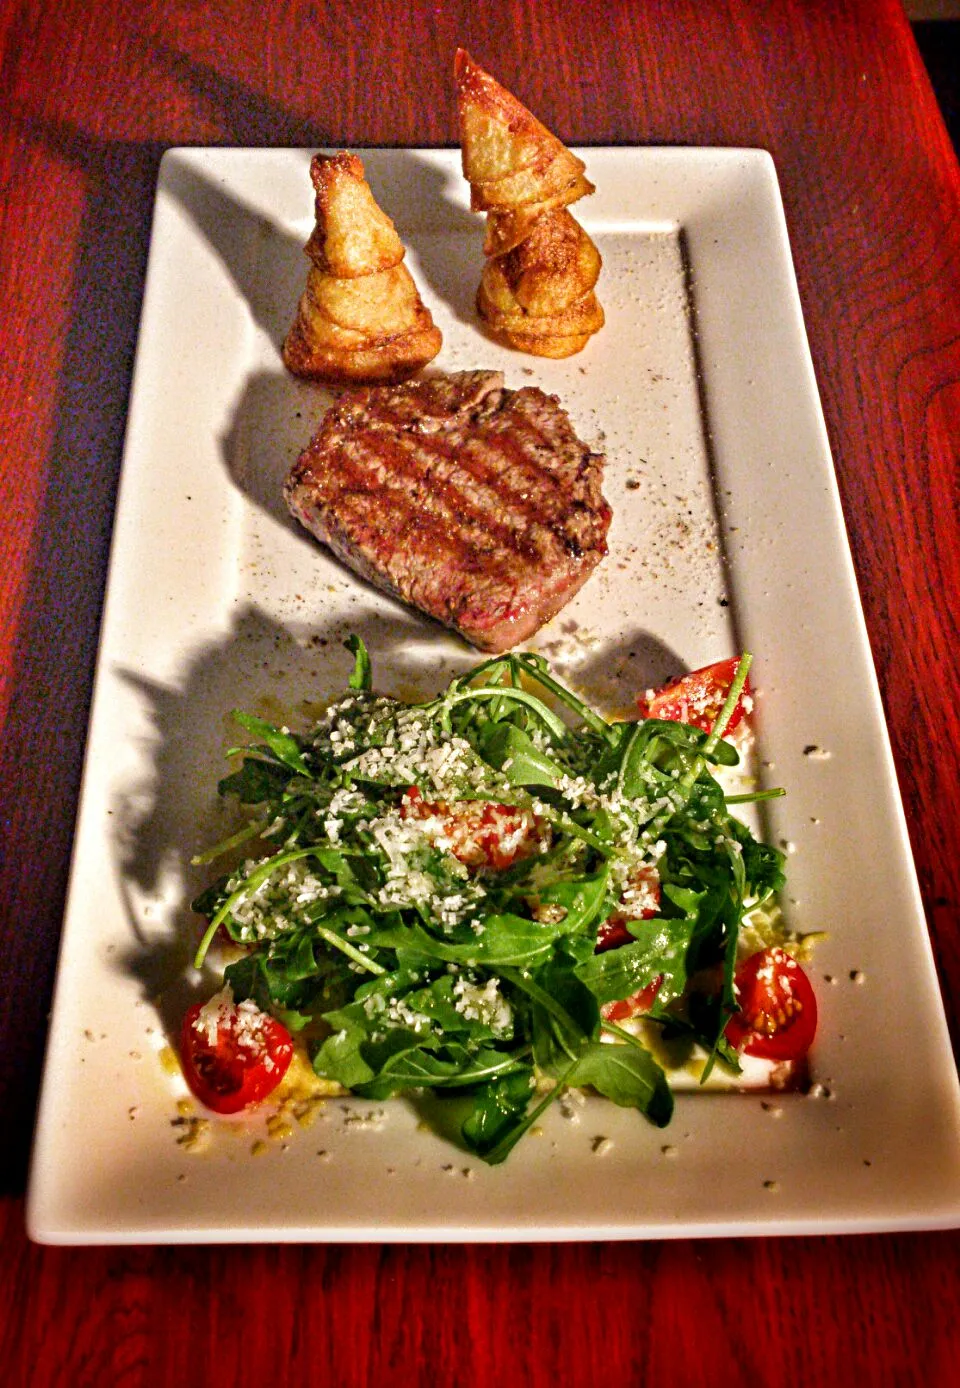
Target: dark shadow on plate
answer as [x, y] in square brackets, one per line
[762, 810]
[446, 237]
[722, 539]
[173, 811]
[610, 681]
[272, 421]
[266, 263]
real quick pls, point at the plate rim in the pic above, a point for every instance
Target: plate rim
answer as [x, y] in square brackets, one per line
[43, 1226]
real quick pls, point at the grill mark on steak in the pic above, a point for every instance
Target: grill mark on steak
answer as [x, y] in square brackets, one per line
[426, 474]
[429, 490]
[474, 486]
[554, 506]
[477, 504]
[433, 517]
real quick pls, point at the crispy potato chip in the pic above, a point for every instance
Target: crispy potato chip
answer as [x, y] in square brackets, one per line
[388, 360]
[498, 135]
[352, 236]
[556, 265]
[497, 294]
[507, 229]
[537, 290]
[379, 305]
[583, 316]
[535, 184]
[555, 347]
[360, 317]
[323, 332]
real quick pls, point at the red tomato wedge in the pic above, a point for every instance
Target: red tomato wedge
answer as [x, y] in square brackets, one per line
[643, 891]
[481, 833]
[643, 886]
[633, 1006]
[232, 1055]
[697, 698]
[778, 1016]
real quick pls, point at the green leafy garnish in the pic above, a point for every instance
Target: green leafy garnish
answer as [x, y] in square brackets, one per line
[410, 964]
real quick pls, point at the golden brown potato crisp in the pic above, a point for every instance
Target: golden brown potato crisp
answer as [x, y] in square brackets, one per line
[555, 347]
[536, 291]
[555, 265]
[388, 361]
[507, 229]
[498, 135]
[584, 316]
[360, 317]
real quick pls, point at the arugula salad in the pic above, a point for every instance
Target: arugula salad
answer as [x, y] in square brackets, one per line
[478, 895]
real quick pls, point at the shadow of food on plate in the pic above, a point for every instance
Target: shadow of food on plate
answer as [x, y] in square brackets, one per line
[265, 262]
[609, 676]
[448, 244]
[272, 421]
[171, 810]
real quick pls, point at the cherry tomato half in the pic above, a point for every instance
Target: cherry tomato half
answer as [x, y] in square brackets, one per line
[633, 1006]
[232, 1055]
[643, 890]
[697, 698]
[480, 833]
[778, 1016]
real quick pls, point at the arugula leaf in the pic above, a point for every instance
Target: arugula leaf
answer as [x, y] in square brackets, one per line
[535, 667]
[340, 1057]
[283, 745]
[512, 751]
[362, 674]
[629, 1076]
[563, 1014]
[499, 1110]
[414, 1065]
[505, 939]
[546, 716]
[659, 951]
[582, 900]
[256, 782]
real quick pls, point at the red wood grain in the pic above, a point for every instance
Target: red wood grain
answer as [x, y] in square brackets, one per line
[92, 94]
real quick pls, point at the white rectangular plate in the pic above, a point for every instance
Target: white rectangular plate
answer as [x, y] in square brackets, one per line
[727, 535]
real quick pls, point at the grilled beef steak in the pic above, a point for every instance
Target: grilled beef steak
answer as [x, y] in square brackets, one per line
[477, 504]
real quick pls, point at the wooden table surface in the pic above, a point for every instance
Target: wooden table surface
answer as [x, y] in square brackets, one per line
[92, 94]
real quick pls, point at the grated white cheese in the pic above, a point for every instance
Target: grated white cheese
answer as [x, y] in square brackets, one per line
[265, 912]
[402, 841]
[484, 1004]
[244, 1019]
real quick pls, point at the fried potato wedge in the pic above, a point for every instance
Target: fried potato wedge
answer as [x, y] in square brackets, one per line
[536, 292]
[535, 184]
[506, 229]
[360, 316]
[583, 316]
[323, 332]
[556, 265]
[378, 305]
[353, 235]
[389, 360]
[498, 135]
[554, 347]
